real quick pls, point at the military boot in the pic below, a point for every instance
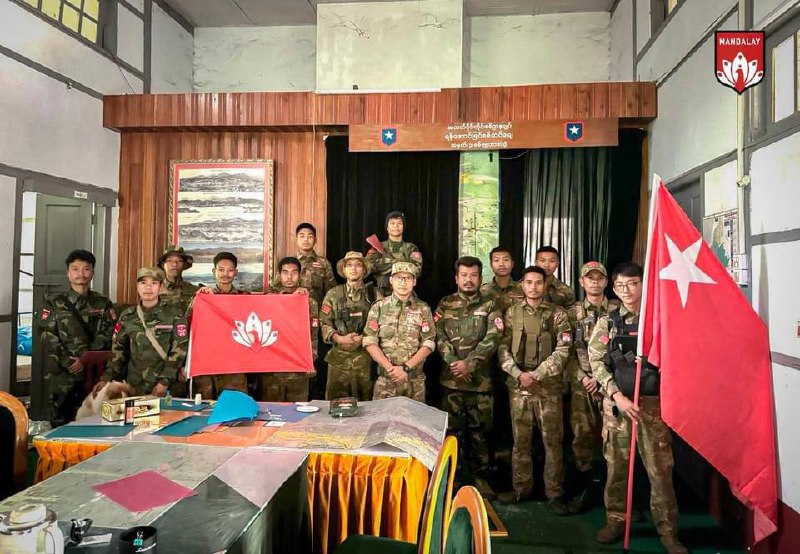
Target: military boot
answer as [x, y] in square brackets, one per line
[673, 545]
[580, 501]
[511, 497]
[611, 532]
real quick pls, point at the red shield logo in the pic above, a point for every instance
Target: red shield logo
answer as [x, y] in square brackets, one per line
[739, 58]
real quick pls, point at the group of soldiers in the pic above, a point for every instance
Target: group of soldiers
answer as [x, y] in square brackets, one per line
[547, 345]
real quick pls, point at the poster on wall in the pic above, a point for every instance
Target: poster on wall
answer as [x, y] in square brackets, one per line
[721, 232]
[223, 205]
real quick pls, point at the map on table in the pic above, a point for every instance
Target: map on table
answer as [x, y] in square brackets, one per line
[410, 426]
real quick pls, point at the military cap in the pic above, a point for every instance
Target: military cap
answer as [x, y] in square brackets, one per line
[405, 267]
[593, 266]
[179, 251]
[152, 272]
[352, 255]
[395, 215]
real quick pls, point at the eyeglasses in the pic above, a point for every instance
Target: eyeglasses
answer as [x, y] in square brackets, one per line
[400, 279]
[625, 287]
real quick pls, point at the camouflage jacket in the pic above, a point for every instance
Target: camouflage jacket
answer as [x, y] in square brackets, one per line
[180, 293]
[468, 329]
[559, 293]
[313, 317]
[598, 347]
[392, 252]
[62, 334]
[316, 275]
[400, 328]
[504, 296]
[135, 359]
[583, 317]
[536, 339]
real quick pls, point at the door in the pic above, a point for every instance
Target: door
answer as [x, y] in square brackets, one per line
[62, 225]
[690, 198]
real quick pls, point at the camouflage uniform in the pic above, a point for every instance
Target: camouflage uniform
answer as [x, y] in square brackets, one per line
[210, 386]
[291, 387]
[392, 252]
[179, 293]
[654, 440]
[64, 337]
[133, 357]
[583, 421]
[400, 329]
[536, 340]
[316, 275]
[469, 328]
[559, 293]
[345, 310]
[504, 296]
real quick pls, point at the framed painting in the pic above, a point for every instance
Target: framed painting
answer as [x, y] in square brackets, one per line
[223, 205]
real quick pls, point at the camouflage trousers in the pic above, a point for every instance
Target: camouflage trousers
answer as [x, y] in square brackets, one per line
[211, 386]
[583, 420]
[413, 388]
[470, 420]
[283, 387]
[545, 411]
[655, 447]
[349, 374]
[66, 393]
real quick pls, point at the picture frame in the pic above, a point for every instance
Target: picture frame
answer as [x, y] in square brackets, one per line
[224, 205]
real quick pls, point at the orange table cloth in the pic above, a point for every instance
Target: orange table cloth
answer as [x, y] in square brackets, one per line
[347, 494]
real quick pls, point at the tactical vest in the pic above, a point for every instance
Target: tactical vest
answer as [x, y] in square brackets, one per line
[586, 322]
[533, 345]
[621, 358]
[351, 317]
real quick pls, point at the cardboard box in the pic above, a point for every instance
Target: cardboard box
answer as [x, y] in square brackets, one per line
[143, 406]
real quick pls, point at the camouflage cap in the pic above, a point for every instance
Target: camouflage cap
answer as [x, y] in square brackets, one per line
[593, 266]
[352, 255]
[179, 251]
[152, 272]
[405, 267]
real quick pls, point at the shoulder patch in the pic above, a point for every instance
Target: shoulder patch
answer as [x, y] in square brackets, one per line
[498, 322]
[416, 255]
[436, 317]
[117, 328]
[180, 329]
[604, 339]
[45, 314]
[425, 327]
[566, 336]
[326, 308]
[374, 325]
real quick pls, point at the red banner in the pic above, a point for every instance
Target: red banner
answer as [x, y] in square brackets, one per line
[249, 334]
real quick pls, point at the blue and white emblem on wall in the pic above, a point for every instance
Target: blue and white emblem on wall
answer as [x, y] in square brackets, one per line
[573, 131]
[388, 136]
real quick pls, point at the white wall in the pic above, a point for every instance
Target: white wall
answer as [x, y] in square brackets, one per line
[621, 47]
[775, 192]
[130, 37]
[642, 23]
[762, 8]
[389, 45]
[172, 52]
[529, 49]
[255, 58]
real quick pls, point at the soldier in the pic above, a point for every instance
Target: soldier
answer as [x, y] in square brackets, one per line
[316, 274]
[291, 387]
[342, 318]
[399, 336]
[504, 289]
[174, 261]
[393, 250]
[225, 270]
[612, 355]
[556, 292]
[72, 323]
[534, 348]
[582, 387]
[468, 330]
[150, 340]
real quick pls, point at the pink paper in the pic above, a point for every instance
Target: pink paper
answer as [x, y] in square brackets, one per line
[143, 491]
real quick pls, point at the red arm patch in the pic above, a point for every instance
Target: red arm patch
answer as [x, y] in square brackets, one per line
[436, 317]
[498, 322]
[117, 328]
[374, 325]
[326, 309]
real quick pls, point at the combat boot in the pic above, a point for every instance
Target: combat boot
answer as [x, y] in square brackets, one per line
[673, 545]
[580, 501]
[511, 497]
[611, 532]
[484, 488]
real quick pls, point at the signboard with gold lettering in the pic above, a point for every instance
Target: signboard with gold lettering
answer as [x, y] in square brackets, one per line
[466, 136]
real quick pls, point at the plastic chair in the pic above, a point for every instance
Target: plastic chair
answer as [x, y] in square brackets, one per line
[468, 528]
[13, 445]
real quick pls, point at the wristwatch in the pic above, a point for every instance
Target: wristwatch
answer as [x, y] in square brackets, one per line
[406, 368]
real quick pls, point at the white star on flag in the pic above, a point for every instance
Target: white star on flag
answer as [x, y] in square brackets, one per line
[683, 268]
[574, 130]
[388, 135]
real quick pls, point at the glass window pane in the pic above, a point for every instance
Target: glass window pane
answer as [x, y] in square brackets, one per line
[51, 8]
[89, 29]
[92, 8]
[34, 3]
[76, 3]
[671, 4]
[783, 79]
[70, 18]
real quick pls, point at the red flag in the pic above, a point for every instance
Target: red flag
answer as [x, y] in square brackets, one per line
[713, 351]
[234, 333]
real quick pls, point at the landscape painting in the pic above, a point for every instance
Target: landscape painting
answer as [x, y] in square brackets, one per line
[223, 205]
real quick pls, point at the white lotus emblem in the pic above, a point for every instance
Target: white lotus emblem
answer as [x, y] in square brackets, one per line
[740, 69]
[254, 333]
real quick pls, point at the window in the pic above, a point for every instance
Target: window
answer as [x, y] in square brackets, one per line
[784, 79]
[81, 17]
[659, 11]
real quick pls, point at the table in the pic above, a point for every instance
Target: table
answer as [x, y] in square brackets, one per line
[237, 507]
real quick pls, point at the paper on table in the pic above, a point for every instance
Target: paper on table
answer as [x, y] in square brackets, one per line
[143, 491]
[184, 427]
[75, 430]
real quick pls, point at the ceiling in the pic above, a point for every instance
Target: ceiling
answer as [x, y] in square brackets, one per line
[260, 13]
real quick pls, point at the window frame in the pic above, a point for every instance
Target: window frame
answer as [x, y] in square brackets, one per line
[660, 15]
[106, 17]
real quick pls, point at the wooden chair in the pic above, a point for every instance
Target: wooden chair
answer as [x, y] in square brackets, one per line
[435, 515]
[468, 528]
[95, 362]
[13, 445]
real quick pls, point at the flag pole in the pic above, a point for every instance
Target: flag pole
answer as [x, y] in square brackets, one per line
[626, 543]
